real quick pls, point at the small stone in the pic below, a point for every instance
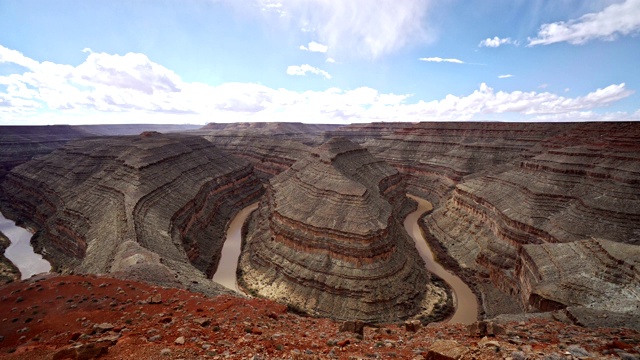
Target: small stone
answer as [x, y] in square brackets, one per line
[485, 342]
[353, 326]
[477, 329]
[154, 338]
[494, 329]
[179, 340]
[447, 350]
[412, 325]
[578, 352]
[343, 343]
[155, 299]
[104, 327]
[165, 352]
[204, 322]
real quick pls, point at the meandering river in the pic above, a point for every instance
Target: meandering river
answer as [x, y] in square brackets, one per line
[226, 273]
[464, 299]
[20, 251]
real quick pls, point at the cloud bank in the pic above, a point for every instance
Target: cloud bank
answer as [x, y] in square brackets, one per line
[360, 28]
[616, 19]
[111, 88]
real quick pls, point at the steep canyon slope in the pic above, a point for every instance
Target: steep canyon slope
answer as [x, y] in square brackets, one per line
[152, 207]
[508, 197]
[536, 216]
[328, 240]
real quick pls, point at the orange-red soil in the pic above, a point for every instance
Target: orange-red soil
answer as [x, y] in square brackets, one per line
[83, 317]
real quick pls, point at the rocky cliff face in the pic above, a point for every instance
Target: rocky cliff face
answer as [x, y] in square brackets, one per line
[19, 144]
[579, 273]
[506, 189]
[500, 187]
[151, 206]
[270, 147]
[327, 240]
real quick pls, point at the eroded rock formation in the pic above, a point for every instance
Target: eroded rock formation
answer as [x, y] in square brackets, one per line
[327, 240]
[498, 187]
[19, 144]
[152, 206]
[270, 147]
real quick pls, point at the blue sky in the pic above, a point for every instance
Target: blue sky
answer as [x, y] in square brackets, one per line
[323, 61]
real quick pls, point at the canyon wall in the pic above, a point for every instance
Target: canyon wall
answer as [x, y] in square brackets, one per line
[328, 240]
[500, 187]
[19, 144]
[152, 206]
[510, 200]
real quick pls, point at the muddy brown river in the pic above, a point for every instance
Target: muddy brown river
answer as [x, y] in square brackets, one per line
[20, 251]
[464, 299]
[226, 273]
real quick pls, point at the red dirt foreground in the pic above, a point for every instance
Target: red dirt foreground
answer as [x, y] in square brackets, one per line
[87, 317]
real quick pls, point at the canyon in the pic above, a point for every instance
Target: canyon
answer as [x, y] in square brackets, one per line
[143, 207]
[533, 217]
[328, 240]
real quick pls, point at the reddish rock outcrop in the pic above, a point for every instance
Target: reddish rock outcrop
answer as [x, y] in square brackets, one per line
[152, 206]
[327, 239]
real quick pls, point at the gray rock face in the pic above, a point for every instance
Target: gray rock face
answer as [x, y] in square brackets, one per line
[327, 240]
[152, 206]
[597, 274]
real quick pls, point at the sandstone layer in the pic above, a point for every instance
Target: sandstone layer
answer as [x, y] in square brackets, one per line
[509, 191]
[270, 147]
[498, 187]
[19, 144]
[327, 239]
[152, 206]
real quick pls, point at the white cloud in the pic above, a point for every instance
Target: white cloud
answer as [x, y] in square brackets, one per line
[616, 19]
[315, 47]
[505, 76]
[330, 60]
[361, 28]
[109, 88]
[303, 70]
[496, 41]
[543, 86]
[16, 57]
[439, 59]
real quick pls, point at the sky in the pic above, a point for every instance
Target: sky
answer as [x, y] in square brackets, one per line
[318, 61]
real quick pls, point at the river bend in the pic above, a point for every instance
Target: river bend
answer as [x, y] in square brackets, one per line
[20, 252]
[464, 300]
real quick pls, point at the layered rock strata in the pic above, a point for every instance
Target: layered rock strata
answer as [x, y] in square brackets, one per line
[499, 186]
[327, 239]
[19, 144]
[270, 147]
[152, 206]
[597, 274]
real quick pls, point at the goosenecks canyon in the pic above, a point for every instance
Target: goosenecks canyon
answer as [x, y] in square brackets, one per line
[540, 220]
